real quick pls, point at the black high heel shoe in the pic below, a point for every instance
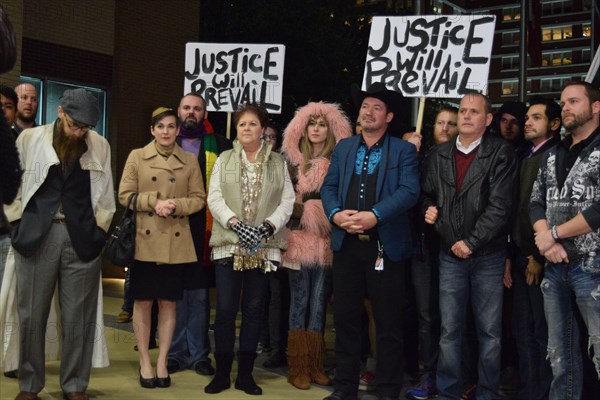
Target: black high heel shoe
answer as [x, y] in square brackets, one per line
[163, 382]
[147, 383]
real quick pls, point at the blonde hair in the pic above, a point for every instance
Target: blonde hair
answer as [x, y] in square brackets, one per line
[306, 147]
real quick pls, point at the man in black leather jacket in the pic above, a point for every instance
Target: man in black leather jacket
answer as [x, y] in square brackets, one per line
[468, 186]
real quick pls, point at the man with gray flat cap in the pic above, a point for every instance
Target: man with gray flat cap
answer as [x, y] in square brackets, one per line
[370, 186]
[62, 213]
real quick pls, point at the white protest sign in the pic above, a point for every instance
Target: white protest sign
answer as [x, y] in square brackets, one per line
[430, 55]
[228, 74]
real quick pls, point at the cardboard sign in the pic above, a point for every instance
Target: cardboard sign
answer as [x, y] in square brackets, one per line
[228, 75]
[430, 55]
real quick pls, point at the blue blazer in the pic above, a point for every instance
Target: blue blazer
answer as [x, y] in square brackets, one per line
[397, 192]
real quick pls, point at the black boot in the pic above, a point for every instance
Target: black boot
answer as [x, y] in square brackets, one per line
[221, 380]
[244, 380]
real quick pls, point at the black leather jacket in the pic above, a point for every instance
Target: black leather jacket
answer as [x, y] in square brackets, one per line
[480, 214]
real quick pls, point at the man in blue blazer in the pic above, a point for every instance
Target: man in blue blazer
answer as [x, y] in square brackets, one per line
[371, 185]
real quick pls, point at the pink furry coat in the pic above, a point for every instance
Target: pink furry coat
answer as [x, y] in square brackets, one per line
[309, 245]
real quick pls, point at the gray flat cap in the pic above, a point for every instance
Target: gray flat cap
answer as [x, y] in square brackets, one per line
[81, 105]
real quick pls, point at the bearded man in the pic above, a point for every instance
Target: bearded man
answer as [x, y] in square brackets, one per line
[61, 215]
[27, 107]
[191, 346]
[565, 213]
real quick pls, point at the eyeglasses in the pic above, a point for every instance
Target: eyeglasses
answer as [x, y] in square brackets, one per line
[75, 126]
[270, 137]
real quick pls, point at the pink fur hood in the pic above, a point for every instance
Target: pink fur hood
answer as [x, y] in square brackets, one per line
[338, 122]
[309, 246]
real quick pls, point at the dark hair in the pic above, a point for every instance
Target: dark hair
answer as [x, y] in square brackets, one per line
[473, 92]
[592, 92]
[9, 93]
[552, 108]
[158, 117]
[8, 43]
[194, 94]
[260, 112]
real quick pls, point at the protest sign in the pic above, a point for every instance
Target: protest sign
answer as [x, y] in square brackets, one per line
[228, 75]
[431, 55]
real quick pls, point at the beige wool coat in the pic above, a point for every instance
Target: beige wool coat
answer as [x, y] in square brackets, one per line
[158, 239]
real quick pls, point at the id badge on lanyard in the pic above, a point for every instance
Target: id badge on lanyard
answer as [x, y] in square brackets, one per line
[379, 260]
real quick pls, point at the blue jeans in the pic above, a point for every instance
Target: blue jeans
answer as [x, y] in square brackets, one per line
[310, 288]
[190, 339]
[560, 283]
[480, 279]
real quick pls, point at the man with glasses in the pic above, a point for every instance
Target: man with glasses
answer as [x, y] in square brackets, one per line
[61, 215]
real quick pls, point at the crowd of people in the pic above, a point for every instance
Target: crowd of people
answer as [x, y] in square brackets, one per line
[489, 232]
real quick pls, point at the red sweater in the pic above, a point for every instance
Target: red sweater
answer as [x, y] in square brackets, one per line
[462, 162]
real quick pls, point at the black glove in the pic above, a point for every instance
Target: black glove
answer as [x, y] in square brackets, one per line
[249, 236]
[265, 230]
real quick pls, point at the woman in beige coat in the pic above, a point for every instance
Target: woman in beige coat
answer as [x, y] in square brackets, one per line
[170, 188]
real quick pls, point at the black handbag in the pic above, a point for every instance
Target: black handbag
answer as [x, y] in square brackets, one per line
[120, 247]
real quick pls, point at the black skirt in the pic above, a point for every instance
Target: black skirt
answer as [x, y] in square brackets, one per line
[150, 281]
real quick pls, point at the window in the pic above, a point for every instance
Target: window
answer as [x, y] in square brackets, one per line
[555, 7]
[555, 84]
[557, 58]
[510, 87]
[557, 33]
[510, 62]
[511, 14]
[511, 38]
[587, 30]
[50, 93]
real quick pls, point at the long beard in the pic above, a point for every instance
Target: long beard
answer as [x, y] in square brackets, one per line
[67, 148]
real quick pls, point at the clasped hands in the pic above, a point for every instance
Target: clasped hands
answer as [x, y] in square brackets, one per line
[164, 208]
[353, 221]
[251, 236]
[550, 248]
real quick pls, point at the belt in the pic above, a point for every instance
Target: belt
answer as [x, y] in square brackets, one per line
[60, 221]
[366, 238]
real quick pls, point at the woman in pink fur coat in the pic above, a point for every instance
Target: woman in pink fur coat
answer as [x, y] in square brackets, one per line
[308, 142]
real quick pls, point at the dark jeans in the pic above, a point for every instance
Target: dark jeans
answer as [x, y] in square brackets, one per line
[426, 280]
[230, 284]
[354, 278]
[279, 309]
[531, 334]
